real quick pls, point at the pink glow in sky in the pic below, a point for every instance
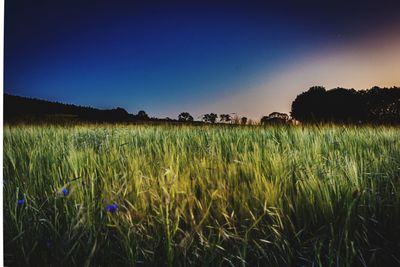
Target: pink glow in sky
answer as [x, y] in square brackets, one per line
[370, 61]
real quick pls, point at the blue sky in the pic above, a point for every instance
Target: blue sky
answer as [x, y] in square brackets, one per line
[167, 58]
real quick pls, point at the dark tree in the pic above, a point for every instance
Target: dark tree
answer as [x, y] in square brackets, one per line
[142, 115]
[275, 118]
[18, 108]
[185, 116]
[278, 115]
[309, 106]
[225, 117]
[340, 105]
[243, 120]
[264, 120]
[212, 117]
[383, 104]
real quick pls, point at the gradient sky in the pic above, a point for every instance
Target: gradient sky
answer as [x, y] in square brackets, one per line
[248, 57]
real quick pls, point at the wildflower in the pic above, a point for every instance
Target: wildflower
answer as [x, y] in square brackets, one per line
[112, 208]
[21, 201]
[65, 192]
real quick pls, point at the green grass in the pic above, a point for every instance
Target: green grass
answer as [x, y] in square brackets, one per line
[202, 196]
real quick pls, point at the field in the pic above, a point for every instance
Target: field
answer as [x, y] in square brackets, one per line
[103, 195]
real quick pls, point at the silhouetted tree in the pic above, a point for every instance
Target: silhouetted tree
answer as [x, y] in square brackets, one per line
[142, 115]
[278, 115]
[212, 117]
[275, 118]
[225, 117]
[309, 106]
[185, 116]
[243, 120]
[18, 108]
[264, 119]
[383, 104]
[340, 105]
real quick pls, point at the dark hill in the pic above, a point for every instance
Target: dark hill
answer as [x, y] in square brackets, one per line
[17, 108]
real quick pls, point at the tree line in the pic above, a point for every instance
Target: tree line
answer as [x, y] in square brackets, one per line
[340, 105]
[317, 105]
[17, 108]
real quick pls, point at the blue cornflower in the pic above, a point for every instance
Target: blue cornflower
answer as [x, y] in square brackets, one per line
[21, 201]
[112, 208]
[65, 192]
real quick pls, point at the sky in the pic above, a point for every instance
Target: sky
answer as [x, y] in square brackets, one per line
[245, 57]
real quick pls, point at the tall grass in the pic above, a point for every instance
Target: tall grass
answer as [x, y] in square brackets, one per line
[201, 196]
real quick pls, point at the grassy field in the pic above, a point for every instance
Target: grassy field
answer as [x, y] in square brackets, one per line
[201, 196]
